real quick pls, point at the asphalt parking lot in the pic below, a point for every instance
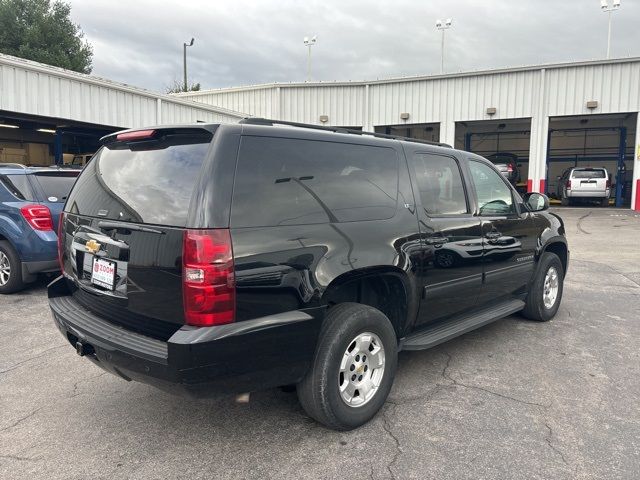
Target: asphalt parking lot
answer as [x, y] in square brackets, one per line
[516, 399]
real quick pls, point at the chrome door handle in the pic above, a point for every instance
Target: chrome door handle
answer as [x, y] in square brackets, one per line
[436, 240]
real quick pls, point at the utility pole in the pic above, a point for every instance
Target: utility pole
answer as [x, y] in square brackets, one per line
[184, 60]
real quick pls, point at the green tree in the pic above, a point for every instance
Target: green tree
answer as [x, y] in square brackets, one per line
[42, 30]
[177, 87]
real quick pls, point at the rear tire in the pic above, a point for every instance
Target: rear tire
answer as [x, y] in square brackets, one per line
[564, 201]
[10, 269]
[604, 202]
[545, 292]
[350, 332]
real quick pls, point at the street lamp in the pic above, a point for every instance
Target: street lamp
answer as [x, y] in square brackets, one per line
[604, 5]
[442, 27]
[309, 43]
[184, 59]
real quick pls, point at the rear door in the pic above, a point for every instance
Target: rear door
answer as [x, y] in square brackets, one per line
[451, 261]
[124, 226]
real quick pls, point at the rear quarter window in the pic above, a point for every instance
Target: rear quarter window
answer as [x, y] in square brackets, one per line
[56, 186]
[18, 186]
[283, 181]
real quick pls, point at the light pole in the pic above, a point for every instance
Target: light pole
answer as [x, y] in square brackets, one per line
[604, 5]
[184, 60]
[309, 43]
[442, 27]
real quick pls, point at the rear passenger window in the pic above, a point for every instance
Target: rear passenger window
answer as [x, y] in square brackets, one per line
[296, 182]
[440, 184]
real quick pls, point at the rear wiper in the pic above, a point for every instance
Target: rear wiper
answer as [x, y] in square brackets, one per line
[123, 227]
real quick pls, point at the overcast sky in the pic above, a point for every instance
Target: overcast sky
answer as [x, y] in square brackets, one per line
[240, 42]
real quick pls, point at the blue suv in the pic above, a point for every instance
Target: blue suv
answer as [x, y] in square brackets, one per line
[31, 199]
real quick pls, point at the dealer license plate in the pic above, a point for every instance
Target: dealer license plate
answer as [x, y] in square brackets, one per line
[103, 273]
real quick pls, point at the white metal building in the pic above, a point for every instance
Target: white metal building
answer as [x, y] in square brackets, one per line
[46, 111]
[555, 116]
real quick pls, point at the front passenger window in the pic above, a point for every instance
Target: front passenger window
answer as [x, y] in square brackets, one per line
[493, 194]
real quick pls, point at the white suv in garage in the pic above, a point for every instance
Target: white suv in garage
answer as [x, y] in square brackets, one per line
[589, 183]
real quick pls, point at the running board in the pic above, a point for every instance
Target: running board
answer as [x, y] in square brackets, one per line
[443, 331]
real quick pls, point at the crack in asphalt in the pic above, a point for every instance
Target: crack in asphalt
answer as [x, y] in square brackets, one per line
[551, 445]
[41, 354]
[386, 425]
[22, 459]
[548, 438]
[20, 420]
[483, 389]
[75, 385]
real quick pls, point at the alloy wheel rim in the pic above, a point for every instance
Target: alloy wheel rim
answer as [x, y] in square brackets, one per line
[361, 369]
[5, 269]
[550, 288]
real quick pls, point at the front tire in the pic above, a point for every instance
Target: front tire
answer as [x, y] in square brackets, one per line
[353, 367]
[545, 292]
[10, 269]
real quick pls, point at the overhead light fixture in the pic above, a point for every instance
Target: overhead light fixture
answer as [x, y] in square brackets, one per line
[4, 125]
[324, 118]
[405, 116]
[592, 104]
[45, 130]
[491, 110]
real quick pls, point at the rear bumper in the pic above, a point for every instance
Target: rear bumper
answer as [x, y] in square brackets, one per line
[588, 194]
[239, 357]
[44, 266]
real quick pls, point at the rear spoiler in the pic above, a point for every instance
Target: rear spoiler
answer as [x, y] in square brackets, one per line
[158, 137]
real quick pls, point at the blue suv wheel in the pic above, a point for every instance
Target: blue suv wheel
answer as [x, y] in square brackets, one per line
[10, 269]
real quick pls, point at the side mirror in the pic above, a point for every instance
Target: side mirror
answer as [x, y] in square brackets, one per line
[536, 202]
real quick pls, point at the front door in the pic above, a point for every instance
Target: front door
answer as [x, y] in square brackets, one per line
[508, 235]
[451, 241]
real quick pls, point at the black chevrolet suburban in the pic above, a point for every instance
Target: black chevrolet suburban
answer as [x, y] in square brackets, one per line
[231, 258]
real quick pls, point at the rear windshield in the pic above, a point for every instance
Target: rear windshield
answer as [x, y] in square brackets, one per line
[56, 186]
[149, 184]
[589, 174]
[18, 186]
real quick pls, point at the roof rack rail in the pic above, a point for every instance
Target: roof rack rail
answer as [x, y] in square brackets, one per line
[12, 165]
[268, 122]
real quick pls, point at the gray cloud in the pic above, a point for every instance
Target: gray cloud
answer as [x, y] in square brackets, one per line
[241, 42]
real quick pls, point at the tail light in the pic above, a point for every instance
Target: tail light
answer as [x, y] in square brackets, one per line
[208, 283]
[568, 184]
[608, 183]
[61, 242]
[509, 168]
[38, 217]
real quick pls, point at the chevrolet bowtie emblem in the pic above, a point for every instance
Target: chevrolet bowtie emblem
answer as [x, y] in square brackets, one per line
[92, 246]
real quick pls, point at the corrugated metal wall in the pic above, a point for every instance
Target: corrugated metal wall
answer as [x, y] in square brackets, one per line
[535, 93]
[459, 97]
[33, 88]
